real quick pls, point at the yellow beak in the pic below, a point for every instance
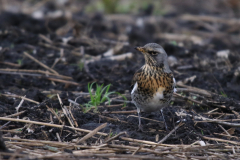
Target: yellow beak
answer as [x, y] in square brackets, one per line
[141, 49]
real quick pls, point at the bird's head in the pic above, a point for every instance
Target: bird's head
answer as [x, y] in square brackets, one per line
[154, 55]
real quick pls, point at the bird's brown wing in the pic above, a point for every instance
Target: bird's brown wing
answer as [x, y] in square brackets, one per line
[136, 77]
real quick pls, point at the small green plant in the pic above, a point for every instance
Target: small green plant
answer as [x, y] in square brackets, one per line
[173, 43]
[202, 132]
[194, 97]
[56, 111]
[101, 95]
[224, 94]
[111, 134]
[80, 65]
[19, 61]
[20, 129]
[12, 46]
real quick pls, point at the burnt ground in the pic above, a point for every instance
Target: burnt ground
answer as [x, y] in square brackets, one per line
[203, 54]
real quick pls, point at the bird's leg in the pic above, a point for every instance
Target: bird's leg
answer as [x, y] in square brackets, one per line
[139, 120]
[161, 110]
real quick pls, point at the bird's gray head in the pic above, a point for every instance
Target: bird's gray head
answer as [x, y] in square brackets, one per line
[154, 55]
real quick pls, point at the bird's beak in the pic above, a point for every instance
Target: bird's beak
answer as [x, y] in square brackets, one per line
[141, 49]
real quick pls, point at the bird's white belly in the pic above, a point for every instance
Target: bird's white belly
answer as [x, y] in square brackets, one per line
[155, 104]
[155, 100]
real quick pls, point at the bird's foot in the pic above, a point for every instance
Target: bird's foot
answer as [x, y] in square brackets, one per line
[140, 128]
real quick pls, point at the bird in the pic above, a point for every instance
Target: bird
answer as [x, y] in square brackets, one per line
[153, 84]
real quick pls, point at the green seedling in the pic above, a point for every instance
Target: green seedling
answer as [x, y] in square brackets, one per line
[174, 43]
[111, 134]
[194, 97]
[101, 95]
[19, 61]
[12, 46]
[80, 65]
[224, 94]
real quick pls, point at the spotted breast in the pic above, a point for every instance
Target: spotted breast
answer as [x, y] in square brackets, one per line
[152, 88]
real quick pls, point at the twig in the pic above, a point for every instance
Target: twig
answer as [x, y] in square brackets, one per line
[224, 130]
[146, 118]
[45, 38]
[51, 125]
[170, 133]
[5, 125]
[220, 122]
[120, 112]
[11, 64]
[92, 133]
[213, 110]
[181, 37]
[35, 71]
[114, 137]
[220, 134]
[16, 114]
[139, 148]
[65, 111]
[40, 63]
[195, 90]
[64, 81]
[55, 114]
[112, 119]
[190, 99]
[20, 104]
[221, 140]
[16, 96]
[212, 19]
[149, 142]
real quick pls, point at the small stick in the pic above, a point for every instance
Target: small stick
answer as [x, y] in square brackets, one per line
[146, 118]
[217, 113]
[55, 114]
[220, 140]
[65, 111]
[92, 133]
[11, 64]
[190, 99]
[196, 90]
[169, 134]
[74, 120]
[220, 122]
[137, 150]
[121, 112]
[16, 96]
[146, 142]
[119, 134]
[48, 124]
[20, 104]
[45, 38]
[15, 114]
[213, 110]
[224, 130]
[4, 125]
[112, 119]
[220, 134]
[58, 137]
[64, 81]
[35, 71]
[40, 63]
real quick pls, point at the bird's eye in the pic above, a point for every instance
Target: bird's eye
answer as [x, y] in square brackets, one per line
[153, 53]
